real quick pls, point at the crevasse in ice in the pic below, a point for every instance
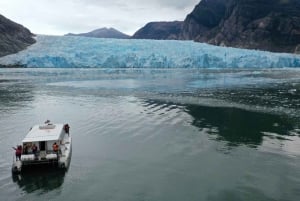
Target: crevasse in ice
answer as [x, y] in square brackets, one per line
[63, 51]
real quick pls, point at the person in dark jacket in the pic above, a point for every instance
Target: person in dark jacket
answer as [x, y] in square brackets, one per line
[34, 150]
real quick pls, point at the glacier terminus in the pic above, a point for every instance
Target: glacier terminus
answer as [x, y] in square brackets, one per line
[81, 52]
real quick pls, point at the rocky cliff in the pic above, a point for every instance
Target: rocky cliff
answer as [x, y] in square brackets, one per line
[159, 30]
[272, 25]
[103, 33]
[13, 37]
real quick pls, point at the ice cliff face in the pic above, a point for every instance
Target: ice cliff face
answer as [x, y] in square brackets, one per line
[63, 51]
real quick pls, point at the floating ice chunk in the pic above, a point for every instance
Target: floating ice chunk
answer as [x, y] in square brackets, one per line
[65, 52]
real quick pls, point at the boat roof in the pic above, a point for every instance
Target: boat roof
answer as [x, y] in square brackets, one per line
[46, 132]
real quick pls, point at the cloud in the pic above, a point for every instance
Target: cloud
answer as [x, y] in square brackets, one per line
[177, 4]
[61, 17]
[173, 4]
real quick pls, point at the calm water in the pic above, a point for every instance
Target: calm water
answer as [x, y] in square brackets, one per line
[149, 134]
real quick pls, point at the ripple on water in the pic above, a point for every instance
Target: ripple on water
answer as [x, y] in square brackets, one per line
[161, 142]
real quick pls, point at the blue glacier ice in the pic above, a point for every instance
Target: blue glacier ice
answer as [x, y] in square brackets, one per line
[64, 52]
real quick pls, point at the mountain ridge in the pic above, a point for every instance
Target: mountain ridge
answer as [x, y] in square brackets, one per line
[159, 30]
[13, 37]
[102, 33]
[272, 25]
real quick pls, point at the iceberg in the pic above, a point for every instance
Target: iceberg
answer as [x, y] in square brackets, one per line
[81, 52]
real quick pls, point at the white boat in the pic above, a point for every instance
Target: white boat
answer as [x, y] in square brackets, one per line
[44, 137]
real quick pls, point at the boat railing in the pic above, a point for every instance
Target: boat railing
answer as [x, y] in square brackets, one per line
[40, 156]
[42, 152]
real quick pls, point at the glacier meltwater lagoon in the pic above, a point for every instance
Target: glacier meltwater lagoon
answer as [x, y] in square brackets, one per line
[58, 51]
[154, 120]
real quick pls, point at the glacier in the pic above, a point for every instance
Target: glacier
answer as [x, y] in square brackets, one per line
[81, 52]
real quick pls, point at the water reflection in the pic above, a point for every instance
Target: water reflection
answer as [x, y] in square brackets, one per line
[237, 126]
[44, 180]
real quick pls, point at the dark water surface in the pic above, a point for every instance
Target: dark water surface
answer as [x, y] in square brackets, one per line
[154, 134]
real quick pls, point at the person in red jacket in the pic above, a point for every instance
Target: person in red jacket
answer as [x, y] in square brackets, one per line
[55, 147]
[18, 152]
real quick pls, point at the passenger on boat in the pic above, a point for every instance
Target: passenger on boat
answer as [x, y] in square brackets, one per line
[18, 152]
[34, 150]
[55, 148]
[67, 128]
[25, 149]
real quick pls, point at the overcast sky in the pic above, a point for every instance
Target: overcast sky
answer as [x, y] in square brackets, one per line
[58, 17]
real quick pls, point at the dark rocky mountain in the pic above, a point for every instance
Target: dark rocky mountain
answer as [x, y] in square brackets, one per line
[272, 25]
[103, 33]
[159, 30]
[13, 37]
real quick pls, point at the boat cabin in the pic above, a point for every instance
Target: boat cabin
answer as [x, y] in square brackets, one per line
[43, 137]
